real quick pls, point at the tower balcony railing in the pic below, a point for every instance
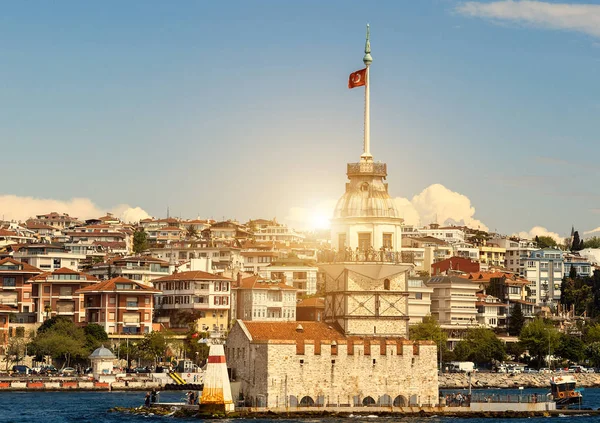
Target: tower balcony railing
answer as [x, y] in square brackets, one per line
[370, 168]
[368, 256]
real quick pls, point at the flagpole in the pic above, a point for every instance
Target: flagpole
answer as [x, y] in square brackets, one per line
[367, 60]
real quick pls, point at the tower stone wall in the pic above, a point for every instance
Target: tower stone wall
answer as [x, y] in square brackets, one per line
[353, 371]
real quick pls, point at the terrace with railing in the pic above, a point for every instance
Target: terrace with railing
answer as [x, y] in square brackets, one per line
[368, 256]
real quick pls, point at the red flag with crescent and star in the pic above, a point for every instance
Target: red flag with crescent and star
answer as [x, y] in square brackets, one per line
[358, 78]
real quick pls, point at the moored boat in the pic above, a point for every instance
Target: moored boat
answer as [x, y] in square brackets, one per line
[564, 391]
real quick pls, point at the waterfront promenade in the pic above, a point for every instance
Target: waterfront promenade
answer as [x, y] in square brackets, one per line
[446, 381]
[507, 380]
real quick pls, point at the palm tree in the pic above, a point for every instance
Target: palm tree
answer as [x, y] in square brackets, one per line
[191, 232]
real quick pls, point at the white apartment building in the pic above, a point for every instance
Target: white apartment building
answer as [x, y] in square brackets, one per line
[449, 234]
[142, 269]
[201, 296]
[465, 250]
[419, 299]
[516, 250]
[222, 258]
[48, 257]
[490, 310]
[453, 301]
[256, 260]
[258, 299]
[278, 232]
[293, 272]
[61, 221]
[544, 270]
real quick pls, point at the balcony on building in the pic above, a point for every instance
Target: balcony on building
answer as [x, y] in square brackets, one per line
[369, 256]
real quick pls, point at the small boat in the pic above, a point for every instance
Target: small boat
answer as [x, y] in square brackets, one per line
[564, 392]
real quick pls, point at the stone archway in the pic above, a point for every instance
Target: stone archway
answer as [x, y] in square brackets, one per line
[307, 402]
[368, 402]
[400, 401]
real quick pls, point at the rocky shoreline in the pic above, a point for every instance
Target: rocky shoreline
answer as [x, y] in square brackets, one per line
[506, 381]
[193, 412]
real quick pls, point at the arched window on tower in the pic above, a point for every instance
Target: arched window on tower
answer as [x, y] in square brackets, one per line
[386, 284]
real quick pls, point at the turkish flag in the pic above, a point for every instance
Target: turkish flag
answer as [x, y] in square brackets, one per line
[358, 78]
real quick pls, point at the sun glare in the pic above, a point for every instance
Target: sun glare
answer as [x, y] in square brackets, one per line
[319, 220]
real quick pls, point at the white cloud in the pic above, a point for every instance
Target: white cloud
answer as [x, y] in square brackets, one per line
[540, 231]
[434, 203]
[583, 18]
[593, 231]
[17, 208]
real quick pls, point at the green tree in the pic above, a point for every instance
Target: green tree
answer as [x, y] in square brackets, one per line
[95, 336]
[140, 241]
[540, 339]
[430, 330]
[153, 346]
[515, 350]
[61, 339]
[16, 349]
[577, 243]
[545, 242]
[481, 346]
[516, 320]
[570, 348]
[593, 242]
[592, 353]
[592, 333]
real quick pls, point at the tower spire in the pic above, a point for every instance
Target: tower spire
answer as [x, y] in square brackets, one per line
[367, 60]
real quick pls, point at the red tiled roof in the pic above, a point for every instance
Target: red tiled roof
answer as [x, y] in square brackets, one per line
[4, 232]
[484, 303]
[110, 244]
[170, 228]
[36, 225]
[312, 302]
[256, 282]
[267, 331]
[7, 308]
[63, 271]
[96, 233]
[146, 259]
[110, 286]
[193, 275]
[260, 254]
[24, 266]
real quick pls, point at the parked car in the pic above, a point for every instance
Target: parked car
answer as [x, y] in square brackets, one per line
[577, 369]
[142, 370]
[48, 370]
[530, 370]
[545, 370]
[21, 370]
[68, 371]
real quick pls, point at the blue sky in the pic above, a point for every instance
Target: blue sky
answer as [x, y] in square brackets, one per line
[240, 109]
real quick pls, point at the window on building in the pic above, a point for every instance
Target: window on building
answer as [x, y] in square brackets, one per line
[111, 316]
[387, 240]
[9, 282]
[46, 289]
[341, 241]
[386, 284]
[364, 241]
[418, 295]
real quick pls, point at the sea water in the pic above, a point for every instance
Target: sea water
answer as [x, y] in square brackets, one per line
[93, 407]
